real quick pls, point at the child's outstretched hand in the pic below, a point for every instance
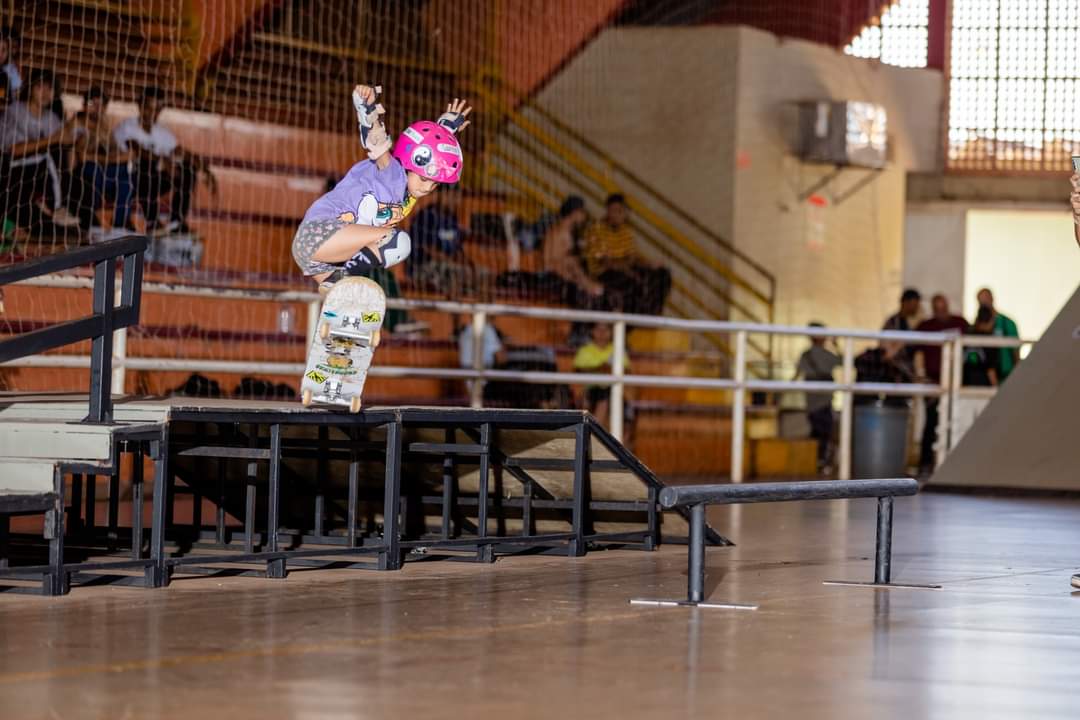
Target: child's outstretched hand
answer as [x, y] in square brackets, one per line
[364, 97]
[455, 119]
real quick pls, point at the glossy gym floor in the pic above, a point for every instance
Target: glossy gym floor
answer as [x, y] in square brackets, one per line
[551, 637]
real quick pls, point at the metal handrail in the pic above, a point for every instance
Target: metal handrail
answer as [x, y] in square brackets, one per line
[98, 327]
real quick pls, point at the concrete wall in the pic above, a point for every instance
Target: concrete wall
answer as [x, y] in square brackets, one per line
[841, 263]
[706, 113]
[935, 245]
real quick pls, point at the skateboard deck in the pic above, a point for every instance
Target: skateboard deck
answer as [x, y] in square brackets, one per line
[344, 343]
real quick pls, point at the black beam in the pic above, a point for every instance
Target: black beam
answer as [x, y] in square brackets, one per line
[678, 496]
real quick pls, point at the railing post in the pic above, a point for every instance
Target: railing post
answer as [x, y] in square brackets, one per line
[618, 369]
[476, 390]
[957, 386]
[738, 408]
[313, 308]
[119, 371]
[102, 345]
[944, 405]
[847, 399]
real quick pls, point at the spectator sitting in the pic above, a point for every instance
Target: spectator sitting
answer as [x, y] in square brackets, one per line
[101, 170]
[563, 274]
[595, 357]
[981, 363]
[9, 49]
[942, 321]
[817, 364]
[1003, 326]
[161, 164]
[29, 133]
[612, 259]
[438, 258]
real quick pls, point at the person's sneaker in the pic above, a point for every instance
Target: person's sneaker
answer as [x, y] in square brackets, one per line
[97, 234]
[62, 218]
[166, 228]
[1076, 581]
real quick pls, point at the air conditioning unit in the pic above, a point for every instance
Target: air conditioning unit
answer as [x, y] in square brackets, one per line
[844, 133]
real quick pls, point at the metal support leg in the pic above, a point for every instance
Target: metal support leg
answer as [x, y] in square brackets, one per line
[695, 581]
[56, 581]
[653, 540]
[527, 526]
[157, 574]
[75, 515]
[91, 504]
[323, 469]
[695, 590]
[390, 557]
[354, 496]
[883, 548]
[883, 554]
[274, 568]
[114, 510]
[484, 553]
[581, 490]
[449, 488]
[249, 496]
[137, 503]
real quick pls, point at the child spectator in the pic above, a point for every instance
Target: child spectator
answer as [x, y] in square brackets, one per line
[595, 357]
[101, 170]
[817, 365]
[563, 272]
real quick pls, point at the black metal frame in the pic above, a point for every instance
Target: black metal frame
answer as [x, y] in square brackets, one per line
[697, 497]
[97, 327]
[269, 498]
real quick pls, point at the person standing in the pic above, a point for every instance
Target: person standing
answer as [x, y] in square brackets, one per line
[941, 321]
[817, 365]
[1007, 358]
[905, 319]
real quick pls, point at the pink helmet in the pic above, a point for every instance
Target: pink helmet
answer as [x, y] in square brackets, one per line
[430, 150]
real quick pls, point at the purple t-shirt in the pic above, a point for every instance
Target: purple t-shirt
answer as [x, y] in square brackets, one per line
[366, 196]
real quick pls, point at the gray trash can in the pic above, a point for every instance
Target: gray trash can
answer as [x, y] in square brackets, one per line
[880, 436]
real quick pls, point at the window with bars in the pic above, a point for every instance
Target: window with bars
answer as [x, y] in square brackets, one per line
[899, 39]
[1014, 96]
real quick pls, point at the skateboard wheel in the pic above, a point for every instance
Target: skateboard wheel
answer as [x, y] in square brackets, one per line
[354, 405]
[376, 338]
[305, 398]
[324, 330]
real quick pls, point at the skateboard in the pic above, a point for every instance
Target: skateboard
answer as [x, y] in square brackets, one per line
[344, 343]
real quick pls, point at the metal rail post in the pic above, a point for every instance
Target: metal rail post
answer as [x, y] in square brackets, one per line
[695, 591]
[957, 385]
[738, 409]
[847, 405]
[476, 390]
[618, 369]
[883, 548]
[944, 406]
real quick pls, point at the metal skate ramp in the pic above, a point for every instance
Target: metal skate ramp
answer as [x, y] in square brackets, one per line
[258, 487]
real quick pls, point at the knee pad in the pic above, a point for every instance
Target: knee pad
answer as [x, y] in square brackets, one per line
[395, 247]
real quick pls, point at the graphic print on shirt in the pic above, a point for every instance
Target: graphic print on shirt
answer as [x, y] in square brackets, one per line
[370, 211]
